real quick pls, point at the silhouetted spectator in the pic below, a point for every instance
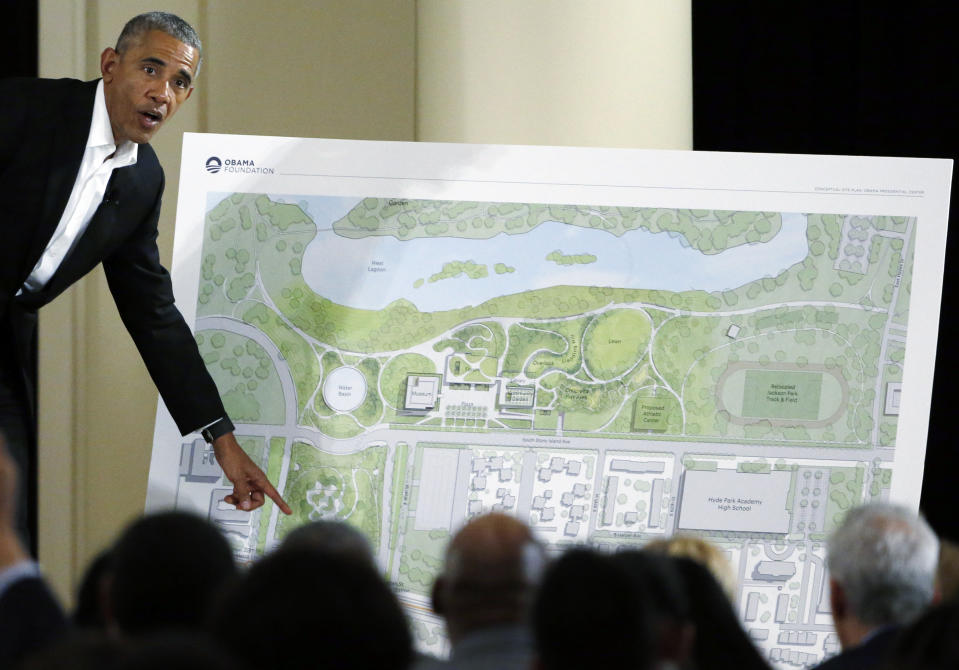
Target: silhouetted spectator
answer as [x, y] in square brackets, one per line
[30, 616]
[165, 572]
[662, 582]
[493, 565]
[947, 572]
[702, 551]
[91, 595]
[176, 651]
[313, 610]
[931, 642]
[590, 614]
[96, 650]
[720, 639]
[334, 537]
[82, 650]
[882, 567]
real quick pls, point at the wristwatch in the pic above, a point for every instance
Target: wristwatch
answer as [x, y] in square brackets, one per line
[219, 427]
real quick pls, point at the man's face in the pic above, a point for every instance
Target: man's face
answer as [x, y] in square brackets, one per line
[145, 84]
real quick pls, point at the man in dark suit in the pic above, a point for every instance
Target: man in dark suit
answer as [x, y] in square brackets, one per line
[882, 564]
[80, 185]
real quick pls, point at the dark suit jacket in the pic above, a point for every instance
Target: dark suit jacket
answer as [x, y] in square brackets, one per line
[869, 655]
[44, 125]
[30, 619]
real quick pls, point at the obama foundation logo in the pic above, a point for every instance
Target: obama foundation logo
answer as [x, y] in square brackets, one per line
[214, 164]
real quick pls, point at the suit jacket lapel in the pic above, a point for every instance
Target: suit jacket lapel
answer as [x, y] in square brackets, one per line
[69, 142]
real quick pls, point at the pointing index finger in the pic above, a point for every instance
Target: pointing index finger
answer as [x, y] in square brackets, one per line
[275, 496]
[280, 502]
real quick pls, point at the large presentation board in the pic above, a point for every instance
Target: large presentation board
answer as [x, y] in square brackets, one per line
[613, 345]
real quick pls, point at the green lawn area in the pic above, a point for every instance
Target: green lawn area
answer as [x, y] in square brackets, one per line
[616, 341]
[323, 485]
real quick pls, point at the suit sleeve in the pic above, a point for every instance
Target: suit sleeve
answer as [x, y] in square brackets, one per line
[143, 293]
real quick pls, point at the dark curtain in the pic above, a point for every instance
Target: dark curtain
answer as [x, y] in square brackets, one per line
[842, 77]
[19, 34]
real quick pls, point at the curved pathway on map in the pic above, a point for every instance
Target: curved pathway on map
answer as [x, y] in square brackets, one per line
[282, 370]
[290, 428]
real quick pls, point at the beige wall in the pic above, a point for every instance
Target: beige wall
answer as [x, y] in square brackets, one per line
[605, 72]
[611, 73]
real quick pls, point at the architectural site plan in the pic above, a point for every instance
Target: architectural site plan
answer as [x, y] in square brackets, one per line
[407, 336]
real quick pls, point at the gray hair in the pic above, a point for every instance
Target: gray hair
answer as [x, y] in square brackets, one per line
[884, 557]
[171, 24]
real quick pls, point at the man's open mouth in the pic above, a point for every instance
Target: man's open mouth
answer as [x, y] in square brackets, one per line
[154, 117]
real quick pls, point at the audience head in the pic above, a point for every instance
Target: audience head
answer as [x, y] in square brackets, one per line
[95, 650]
[668, 602]
[92, 594]
[947, 573]
[331, 537]
[493, 565]
[703, 552]
[882, 564]
[179, 651]
[165, 572]
[313, 609]
[589, 613]
[85, 650]
[719, 635]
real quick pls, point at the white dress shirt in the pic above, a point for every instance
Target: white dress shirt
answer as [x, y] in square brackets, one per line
[100, 158]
